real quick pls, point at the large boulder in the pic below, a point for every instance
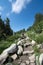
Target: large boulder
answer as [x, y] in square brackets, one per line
[20, 50]
[3, 57]
[41, 59]
[12, 49]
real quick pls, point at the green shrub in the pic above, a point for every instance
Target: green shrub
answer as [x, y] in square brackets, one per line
[36, 50]
[13, 38]
[31, 34]
[37, 37]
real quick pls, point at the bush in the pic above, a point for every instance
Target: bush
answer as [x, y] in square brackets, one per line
[39, 38]
[31, 34]
[13, 38]
[36, 49]
[35, 36]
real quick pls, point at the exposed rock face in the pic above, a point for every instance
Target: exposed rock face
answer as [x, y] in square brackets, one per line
[41, 59]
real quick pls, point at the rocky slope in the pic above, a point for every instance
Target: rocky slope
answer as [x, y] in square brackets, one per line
[22, 53]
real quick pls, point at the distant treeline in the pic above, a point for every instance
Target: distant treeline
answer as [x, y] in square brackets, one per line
[38, 24]
[5, 29]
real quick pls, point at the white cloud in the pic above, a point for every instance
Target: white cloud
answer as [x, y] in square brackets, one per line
[19, 5]
[1, 8]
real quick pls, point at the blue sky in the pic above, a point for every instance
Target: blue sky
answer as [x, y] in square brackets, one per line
[20, 12]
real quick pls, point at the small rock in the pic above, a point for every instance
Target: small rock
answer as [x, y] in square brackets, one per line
[33, 42]
[19, 62]
[9, 64]
[41, 50]
[32, 58]
[27, 38]
[42, 46]
[28, 52]
[14, 57]
[39, 46]
[32, 63]
[23, 64]
[27, 62]
[27, 44]
[19, 42]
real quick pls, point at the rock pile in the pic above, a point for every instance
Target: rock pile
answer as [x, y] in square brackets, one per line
[21, 53]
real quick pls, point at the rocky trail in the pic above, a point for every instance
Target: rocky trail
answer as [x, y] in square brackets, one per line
[21, 53]
[24, 59]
